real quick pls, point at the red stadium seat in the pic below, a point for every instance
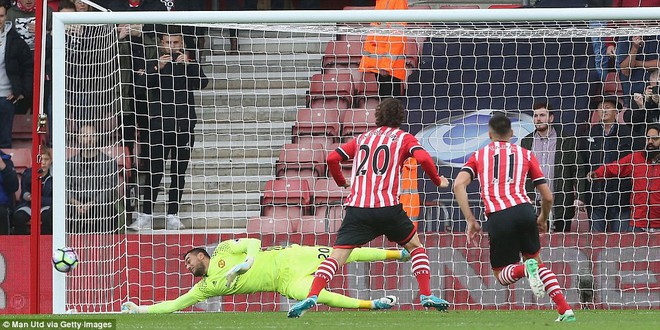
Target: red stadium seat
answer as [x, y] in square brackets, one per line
[612, 85]
[333, 91]
[316, 122]
[357, 121]
[21, 157]
[22, 129]
[286, 198]
[342, 54]
[301, 161]
[268, 225]
[326, 191]
[319, 225]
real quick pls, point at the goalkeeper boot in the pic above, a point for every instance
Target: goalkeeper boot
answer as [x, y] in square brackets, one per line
[535, 282]
[435, 302]
[405, 255]
[386, 302]
[300, 308]
[568, 316]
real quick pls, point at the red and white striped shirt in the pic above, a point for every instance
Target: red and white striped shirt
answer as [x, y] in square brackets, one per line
[502, 169]
[377, 159]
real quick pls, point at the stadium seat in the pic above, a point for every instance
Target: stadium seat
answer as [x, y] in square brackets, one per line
[342, 54]
[318, 225]
[21, 157]
[22, 129]
[269, 225]
[357, 121]
[286, 198]
[301, 161]
[316, 122]
[612, 85]
[326, 191]
[333, 91]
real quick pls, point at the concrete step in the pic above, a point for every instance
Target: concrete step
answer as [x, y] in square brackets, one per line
[240, 129]
[246, 114]
[253, 97]
[227, 168]
[202, 221]
[279, 45]
[227, 184]
[209, 206]
[236, 153]
[261, 62]
[260, 80]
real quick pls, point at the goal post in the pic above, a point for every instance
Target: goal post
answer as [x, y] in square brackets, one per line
[251, 112]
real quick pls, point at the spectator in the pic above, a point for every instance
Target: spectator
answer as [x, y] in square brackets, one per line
[80, 6]
[602, 53]
[644, 109]
[170, 82]
[8, 186]
[16, 68]
[644, 169]
[637, 56]
[23, 212]
[90, 185]
[607, 201]
[23, 17]
[385, 55]
[557, 156]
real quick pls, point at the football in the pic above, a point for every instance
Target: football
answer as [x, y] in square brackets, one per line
[65, 259]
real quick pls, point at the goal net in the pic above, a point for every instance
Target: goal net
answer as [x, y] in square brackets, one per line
[216, 142]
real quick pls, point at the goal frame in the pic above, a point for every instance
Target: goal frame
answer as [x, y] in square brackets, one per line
[289, 16]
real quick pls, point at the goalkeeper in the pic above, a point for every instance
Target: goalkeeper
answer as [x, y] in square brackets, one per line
[241, 267]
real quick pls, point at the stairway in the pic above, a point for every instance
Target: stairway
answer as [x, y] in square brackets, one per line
[245, 117]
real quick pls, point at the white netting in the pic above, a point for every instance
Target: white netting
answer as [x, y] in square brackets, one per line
[274, 108]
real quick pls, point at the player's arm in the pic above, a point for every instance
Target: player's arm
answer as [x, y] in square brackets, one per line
[343, 153]
[169, 306]
[620, 168]
[248, 246]
[542, 187]
[463, 179]
[425, 160]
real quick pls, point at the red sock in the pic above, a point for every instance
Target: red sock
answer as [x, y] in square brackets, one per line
[323, 275]
[421, 270]
[552, 288]
[511, 274]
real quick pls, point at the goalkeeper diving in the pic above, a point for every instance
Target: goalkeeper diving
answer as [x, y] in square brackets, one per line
[241, 267]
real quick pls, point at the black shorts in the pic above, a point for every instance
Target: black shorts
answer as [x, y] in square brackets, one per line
[512, 232]
[362, 225]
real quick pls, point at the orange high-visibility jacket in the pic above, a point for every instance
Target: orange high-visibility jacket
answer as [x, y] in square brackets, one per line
[408, 194]
[386, 52]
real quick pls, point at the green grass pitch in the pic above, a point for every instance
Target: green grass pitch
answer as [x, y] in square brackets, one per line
[413, 320]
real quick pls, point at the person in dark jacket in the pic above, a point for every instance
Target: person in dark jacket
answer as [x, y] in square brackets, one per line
[557, 157]
[23, 212]
[16, 68]
[170, 83]
[608, 201]
[8, 186]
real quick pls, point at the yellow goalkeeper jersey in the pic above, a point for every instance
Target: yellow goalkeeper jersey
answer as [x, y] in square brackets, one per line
[262, 276]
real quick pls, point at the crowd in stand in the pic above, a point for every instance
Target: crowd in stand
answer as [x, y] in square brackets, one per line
[620, 143]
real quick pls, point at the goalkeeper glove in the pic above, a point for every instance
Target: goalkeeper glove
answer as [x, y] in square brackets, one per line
[239, 269]
[131, 308]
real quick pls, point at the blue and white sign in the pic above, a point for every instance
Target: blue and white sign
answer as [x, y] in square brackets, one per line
[453, 140]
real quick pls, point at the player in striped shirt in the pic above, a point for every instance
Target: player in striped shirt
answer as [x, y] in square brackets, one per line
[513, 228]
[241, 267]
[372, 207]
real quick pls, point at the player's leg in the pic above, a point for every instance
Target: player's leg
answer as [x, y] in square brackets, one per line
[541, 278]
[373, 254]
[350, 235]
[398, 228]
[504, 246]
[298, 290]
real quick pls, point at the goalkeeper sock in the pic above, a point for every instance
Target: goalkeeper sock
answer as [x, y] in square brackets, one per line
[323, 276]
[553, 289]
[421, 270]
[511, 274]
